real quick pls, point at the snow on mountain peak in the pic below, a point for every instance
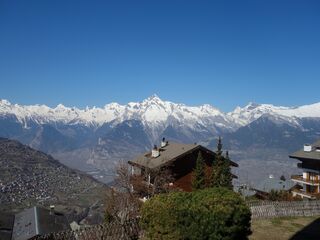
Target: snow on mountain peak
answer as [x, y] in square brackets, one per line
[153, 97]
[60, 106]
[254, 111]
[312, 110]
[4, 102]
[155, 112]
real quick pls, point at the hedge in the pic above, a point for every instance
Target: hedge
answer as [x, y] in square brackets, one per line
[215, 213]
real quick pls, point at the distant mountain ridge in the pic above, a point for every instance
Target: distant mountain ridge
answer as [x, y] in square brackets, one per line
[99, 137]
[152, 111]
[253, 111]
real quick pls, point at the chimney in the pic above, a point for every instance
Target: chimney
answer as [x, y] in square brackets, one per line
[51, 209]
[307, 148]
[163, 142]
[155, 152]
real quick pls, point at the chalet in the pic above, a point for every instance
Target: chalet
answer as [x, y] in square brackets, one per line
[308, 183]
[179, 158]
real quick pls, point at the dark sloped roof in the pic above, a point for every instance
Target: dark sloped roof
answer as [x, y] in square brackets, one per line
[308, 155]
[274, 184]
[37, 221]
[168, 154]
[53, 222]
[25, 225]
[6, 225]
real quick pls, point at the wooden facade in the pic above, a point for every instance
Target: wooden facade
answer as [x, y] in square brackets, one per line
[182, 168]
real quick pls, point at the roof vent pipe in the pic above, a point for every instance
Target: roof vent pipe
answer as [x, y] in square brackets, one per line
[155, 152]
[307, 148]
[163, 142]
[51, 209]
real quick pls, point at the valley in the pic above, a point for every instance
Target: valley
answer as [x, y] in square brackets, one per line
[258, 136]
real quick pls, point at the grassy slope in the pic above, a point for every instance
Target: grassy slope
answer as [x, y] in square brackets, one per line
[286, 228]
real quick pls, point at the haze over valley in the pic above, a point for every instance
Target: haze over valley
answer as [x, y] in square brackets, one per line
[258, 136]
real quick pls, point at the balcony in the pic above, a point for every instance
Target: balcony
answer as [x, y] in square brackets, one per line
[303, 194]
[300, 179]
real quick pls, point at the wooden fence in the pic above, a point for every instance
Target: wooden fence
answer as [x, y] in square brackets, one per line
[269, 209]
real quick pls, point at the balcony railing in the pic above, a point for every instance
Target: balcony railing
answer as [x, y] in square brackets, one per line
[299, 178]
[306, 194]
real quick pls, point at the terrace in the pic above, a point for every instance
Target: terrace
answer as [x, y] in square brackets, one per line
[304, 194]
[300, 179]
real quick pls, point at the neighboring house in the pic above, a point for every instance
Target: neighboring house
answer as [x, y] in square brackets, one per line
[179, 158]
[309, 182]
[264, 188]
[37, 221]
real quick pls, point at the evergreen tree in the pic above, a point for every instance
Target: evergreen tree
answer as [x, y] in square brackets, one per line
[216, 166]
[216, 172]
[219, 147]
[198, 181]
[221, 170]
[226, 175]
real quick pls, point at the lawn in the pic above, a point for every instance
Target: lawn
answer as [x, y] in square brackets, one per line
[293, 228]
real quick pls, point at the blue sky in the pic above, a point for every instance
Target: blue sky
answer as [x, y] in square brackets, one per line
[225, 53]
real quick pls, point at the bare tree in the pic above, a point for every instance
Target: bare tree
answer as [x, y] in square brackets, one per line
[124, 200]
[162, 180]
[122, 204]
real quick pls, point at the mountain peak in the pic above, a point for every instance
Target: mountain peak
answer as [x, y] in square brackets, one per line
[4, 102]
[153, 97]
[252, 105]
[61, 106]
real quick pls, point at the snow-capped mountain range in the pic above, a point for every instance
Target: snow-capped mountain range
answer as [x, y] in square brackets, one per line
[252, 111]
[101, 136]
[153, 112]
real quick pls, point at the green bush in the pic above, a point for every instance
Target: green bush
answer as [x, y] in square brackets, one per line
[214, 213]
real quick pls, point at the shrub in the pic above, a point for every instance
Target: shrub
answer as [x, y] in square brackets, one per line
[279, 195]
[214, 213]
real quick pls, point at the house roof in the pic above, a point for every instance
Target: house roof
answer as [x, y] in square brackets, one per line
[274, 184]
[37, 221]
[244, 190]
[301, 154]
[168, 154]
[6, 225]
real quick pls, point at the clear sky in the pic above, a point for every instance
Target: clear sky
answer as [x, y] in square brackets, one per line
[225, 53]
